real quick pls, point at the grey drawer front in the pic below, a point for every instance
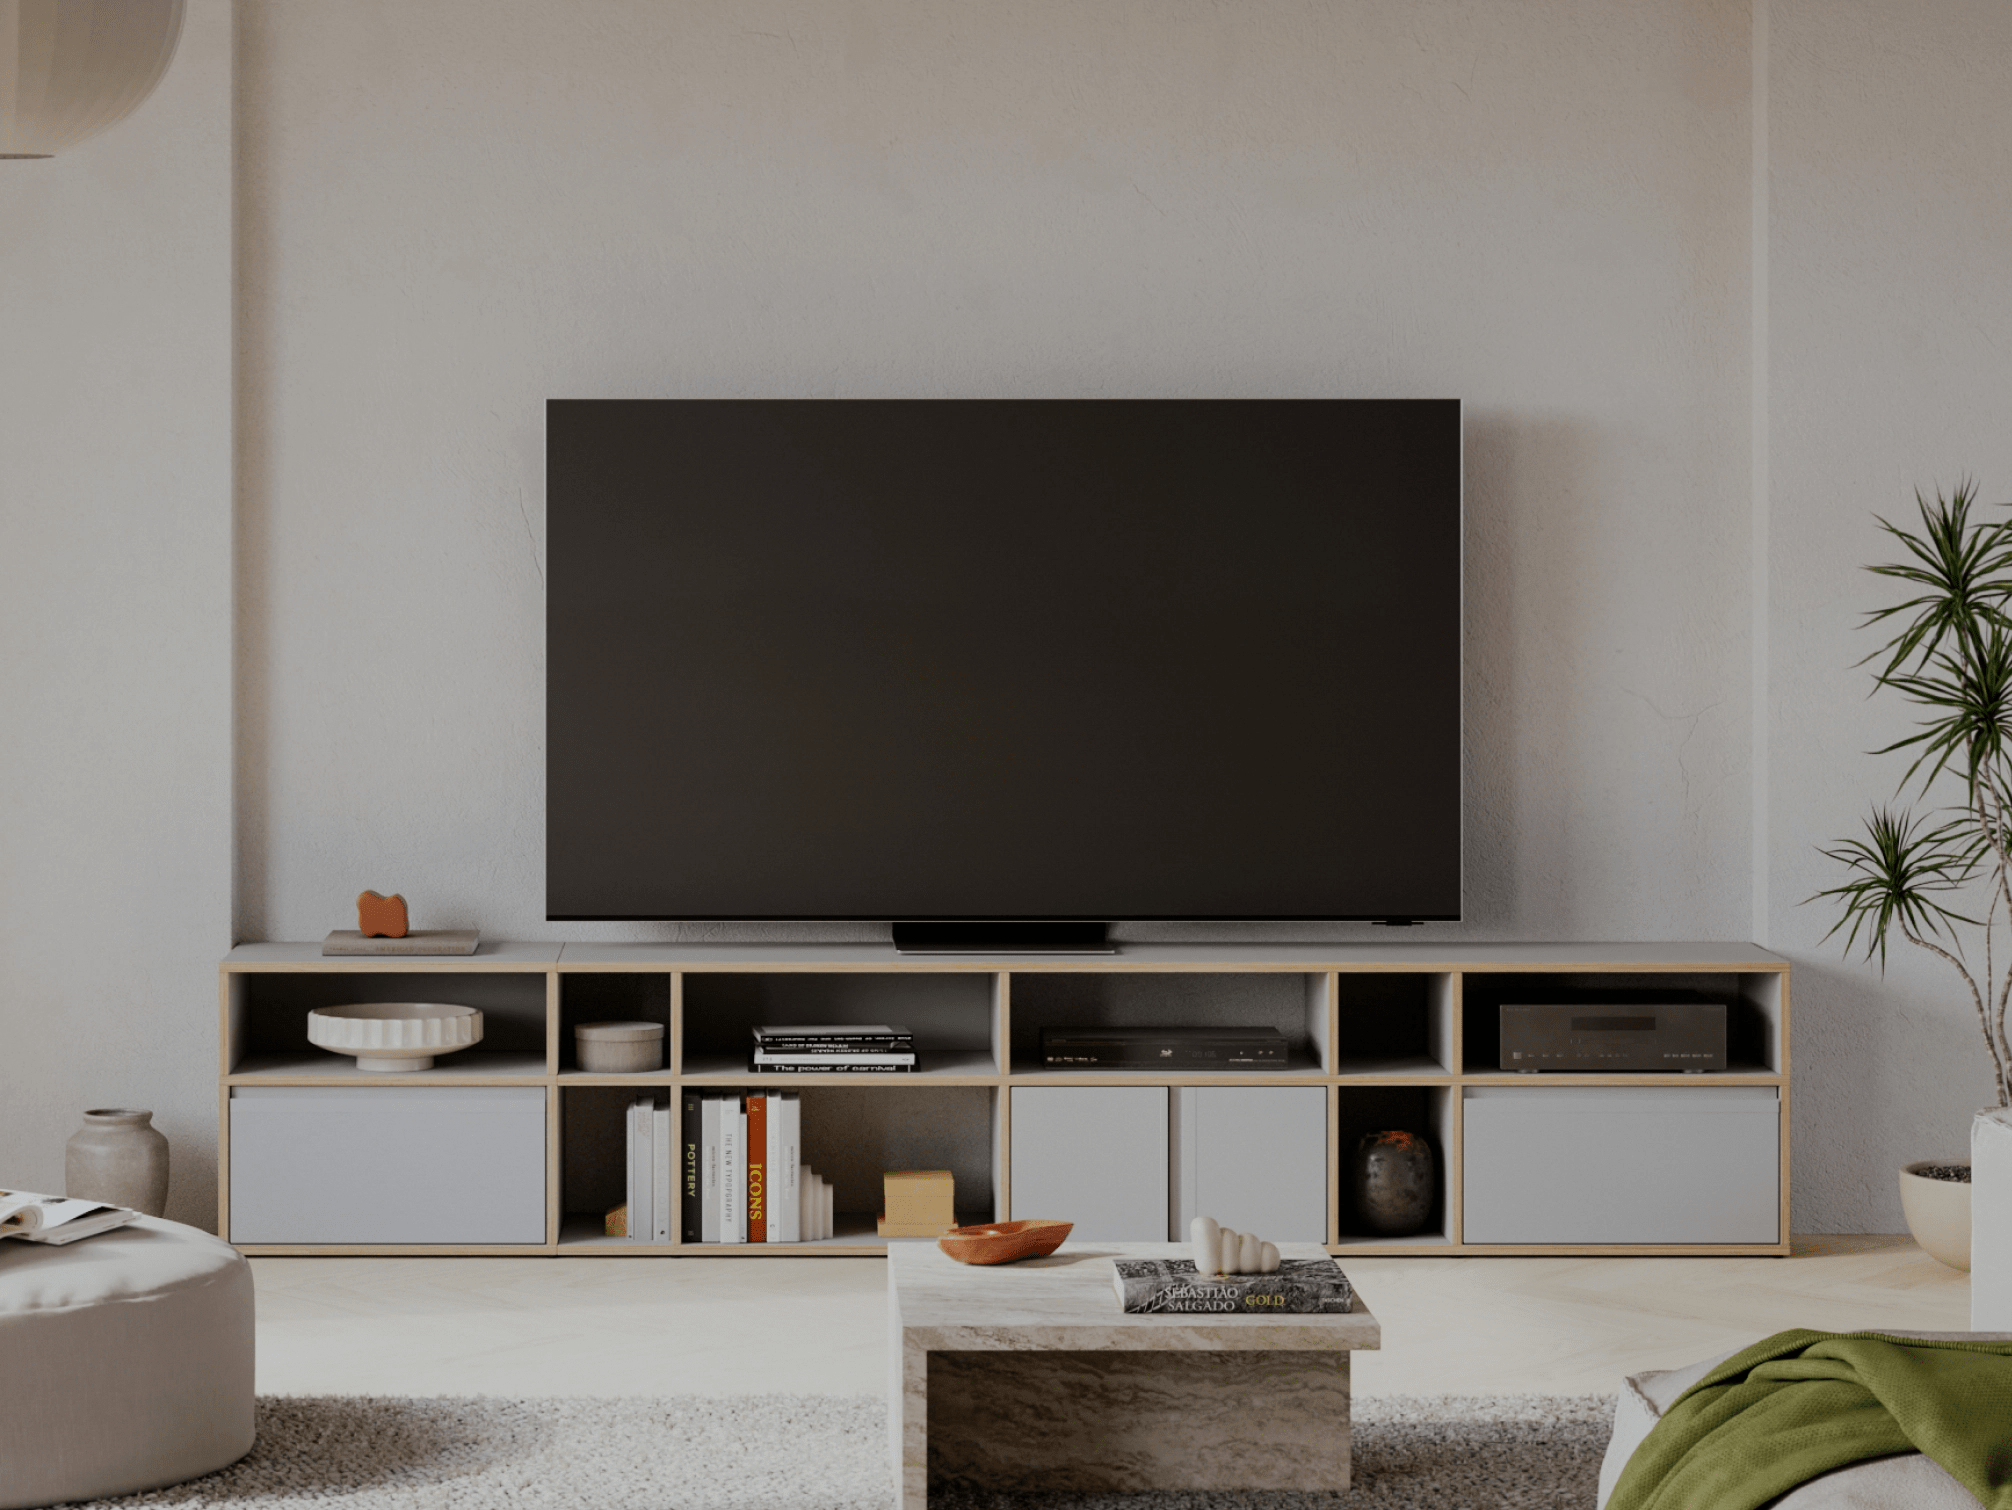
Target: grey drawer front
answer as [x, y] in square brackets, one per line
[400, 1164]
[1254, 1157]
[1095, 1155]
[1621, 1165]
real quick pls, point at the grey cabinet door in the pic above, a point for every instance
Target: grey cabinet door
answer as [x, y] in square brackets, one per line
[403, 1164]
[1095, 1155]
[1254, 1157]
[1635, 1164]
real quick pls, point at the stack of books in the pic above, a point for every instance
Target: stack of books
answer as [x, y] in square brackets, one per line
[877, 1049]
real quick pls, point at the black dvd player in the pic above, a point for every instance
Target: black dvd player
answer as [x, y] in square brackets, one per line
[1620, 1032]
[1164, 1048]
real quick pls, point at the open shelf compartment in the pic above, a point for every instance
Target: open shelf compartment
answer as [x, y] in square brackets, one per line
[951, 1014]
[850, 1135]
[265, 1022]
[1430, 1111]
[608, 996]
[1294, 1002]
[1755, 1017]
[1395, 1023]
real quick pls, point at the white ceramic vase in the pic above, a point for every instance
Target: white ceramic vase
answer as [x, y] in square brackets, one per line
[118, 1156]
[1938, 1213]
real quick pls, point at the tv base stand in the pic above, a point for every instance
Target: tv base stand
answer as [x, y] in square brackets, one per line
[1016, 937]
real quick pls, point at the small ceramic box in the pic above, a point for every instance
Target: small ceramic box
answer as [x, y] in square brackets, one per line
[619, 1048]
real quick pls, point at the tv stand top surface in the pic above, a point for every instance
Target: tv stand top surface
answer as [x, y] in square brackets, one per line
[1408, 954]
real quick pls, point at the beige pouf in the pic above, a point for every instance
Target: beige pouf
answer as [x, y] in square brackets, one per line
[128, 1362]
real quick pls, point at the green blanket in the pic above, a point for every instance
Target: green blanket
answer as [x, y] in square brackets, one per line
[1803, 1403]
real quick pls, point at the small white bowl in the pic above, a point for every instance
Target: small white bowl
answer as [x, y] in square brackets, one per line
[619, 1048]
[394, 1037]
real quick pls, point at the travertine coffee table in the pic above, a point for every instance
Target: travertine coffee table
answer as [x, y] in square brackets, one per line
[1028, 1376]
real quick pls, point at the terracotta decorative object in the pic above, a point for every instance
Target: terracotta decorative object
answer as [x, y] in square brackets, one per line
[393, 1036]
[1394, 1177]
[1004, 1242]
[381, 917]
[119, 1157]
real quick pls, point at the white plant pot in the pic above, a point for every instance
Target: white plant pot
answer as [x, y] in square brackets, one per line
[1938, 1213]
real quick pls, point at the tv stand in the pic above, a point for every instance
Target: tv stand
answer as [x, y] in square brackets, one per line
[510, 1147]
[1018, 937]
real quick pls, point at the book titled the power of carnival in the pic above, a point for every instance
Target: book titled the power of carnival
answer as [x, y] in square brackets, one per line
[1170, 1286]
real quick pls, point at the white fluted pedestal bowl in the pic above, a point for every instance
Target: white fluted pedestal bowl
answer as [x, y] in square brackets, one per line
[392, 1037]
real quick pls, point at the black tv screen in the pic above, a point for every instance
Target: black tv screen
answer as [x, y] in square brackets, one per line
[1003, 659]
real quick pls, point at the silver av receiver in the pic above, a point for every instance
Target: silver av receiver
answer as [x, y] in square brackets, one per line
[1614, 1036]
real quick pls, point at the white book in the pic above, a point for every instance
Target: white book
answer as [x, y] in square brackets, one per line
[629, 1167]
[785, 1118]
[806, 1219]
[709, 1169]
[642, 1178]
[733, 1179]
[660, 1163]
[741, 1182]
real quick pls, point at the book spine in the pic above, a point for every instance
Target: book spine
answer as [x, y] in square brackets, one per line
[629, 1191]
[831, 1069]
[710, 1199]
[660, 1164]
[763, 1056]
[732, 1191]
[788, 1161]
[691, 1141]
[1186, 1298]
[757, 1108]
[642, 1215]
[834, 1046]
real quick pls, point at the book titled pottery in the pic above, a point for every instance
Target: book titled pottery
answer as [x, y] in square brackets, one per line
[1170, 1286]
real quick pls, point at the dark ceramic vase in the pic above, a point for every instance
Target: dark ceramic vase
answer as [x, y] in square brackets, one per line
[1393, 1175]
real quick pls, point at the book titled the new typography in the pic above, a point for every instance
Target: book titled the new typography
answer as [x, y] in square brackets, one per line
[1170, 1286]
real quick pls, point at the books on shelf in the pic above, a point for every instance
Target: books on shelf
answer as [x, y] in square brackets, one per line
[722, 1168]
[650, 1180]
[743, 1157]
[1299, 1287]
[831, 1048]
[56, 1220]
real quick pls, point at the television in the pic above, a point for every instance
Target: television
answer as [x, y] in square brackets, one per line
[1003, 668]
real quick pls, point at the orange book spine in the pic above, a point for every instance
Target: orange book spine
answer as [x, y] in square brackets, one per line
[758, 1169]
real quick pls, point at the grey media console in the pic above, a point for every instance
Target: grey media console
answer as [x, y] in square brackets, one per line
[511, 1148]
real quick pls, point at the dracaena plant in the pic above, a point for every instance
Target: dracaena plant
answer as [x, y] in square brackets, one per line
[1949, 652]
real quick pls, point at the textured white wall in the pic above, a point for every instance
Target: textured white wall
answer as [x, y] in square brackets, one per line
[1890, 313]
[115, 624]
[456, 210]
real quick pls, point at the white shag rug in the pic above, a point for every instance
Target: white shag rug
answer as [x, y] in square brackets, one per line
[819, 1452]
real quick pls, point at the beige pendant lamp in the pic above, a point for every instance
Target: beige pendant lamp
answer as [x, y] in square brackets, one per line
[72, 68]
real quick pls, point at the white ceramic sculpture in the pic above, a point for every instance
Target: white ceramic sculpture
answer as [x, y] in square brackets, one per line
[1221, 1250]
[394, 1036]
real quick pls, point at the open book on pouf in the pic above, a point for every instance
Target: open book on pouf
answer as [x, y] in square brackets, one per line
[56, 1219]
[1299, 1287]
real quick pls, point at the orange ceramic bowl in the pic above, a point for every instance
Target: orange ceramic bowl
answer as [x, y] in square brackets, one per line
[1004, 1242]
